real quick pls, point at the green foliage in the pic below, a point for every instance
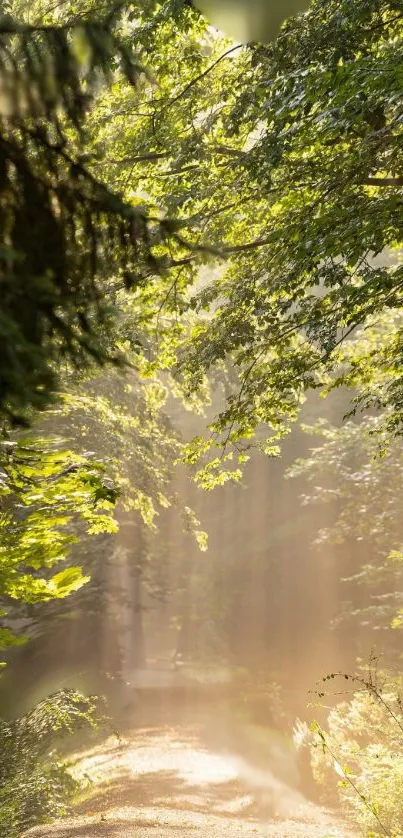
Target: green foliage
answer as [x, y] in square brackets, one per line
[286, 161]
[35, 783]
[46, 492]
[124, 420]
[358, 470]
[258, 161]
[362, 744]
[69, 242]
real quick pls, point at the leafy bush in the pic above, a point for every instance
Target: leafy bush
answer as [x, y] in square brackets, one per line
[363, 745]
[35, 783]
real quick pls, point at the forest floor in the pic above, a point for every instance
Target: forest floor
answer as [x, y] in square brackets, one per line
[163, 781]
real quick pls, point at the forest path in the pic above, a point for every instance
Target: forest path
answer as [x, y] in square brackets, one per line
[164, 782]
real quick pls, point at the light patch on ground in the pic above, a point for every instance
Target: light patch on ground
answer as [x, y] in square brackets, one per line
[164, 782]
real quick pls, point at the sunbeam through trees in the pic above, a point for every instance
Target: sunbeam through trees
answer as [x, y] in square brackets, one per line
[201, 399]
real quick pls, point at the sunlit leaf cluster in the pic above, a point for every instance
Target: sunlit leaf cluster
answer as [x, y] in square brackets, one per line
[47, 492]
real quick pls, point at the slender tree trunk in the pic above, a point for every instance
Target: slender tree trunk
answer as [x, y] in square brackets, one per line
[138, 652]
[131, 537]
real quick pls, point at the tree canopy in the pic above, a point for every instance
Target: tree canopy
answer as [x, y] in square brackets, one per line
[282, 162]
[69, 241]
[286, 160]
[212, 214]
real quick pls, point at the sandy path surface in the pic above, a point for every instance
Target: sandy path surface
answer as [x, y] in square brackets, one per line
[164, 782]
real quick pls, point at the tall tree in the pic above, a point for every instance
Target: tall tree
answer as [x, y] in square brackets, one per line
[70, 243]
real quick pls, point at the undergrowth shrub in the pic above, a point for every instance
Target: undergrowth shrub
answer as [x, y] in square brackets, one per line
[35, 781]
[360, 750]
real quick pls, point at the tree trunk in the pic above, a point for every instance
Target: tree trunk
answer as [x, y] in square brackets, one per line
[137, 648]
[135, 548]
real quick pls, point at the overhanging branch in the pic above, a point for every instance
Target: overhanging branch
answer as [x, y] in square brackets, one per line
[383, 181]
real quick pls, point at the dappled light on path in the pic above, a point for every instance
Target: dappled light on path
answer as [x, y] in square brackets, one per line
[163, 780]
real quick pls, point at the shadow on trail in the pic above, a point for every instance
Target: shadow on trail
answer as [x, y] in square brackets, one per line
[113, 830]
[164, 789]
[158, 770]
[164, 781]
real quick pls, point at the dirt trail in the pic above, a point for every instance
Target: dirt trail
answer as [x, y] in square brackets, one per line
[164, 782]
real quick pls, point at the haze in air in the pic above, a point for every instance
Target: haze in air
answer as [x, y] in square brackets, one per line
[201, 408]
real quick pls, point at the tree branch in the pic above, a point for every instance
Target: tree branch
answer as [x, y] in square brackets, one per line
[238, 248]
[200, 76]
[383, 181]
[151, 157]
[154, 156]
